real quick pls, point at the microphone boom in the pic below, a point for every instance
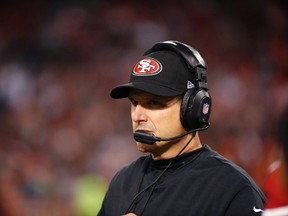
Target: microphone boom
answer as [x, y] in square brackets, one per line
[143, 137]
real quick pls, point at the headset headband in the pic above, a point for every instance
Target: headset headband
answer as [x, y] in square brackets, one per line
[195, 62]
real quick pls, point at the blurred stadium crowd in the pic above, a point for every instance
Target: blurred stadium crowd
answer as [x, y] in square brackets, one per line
[62, 138]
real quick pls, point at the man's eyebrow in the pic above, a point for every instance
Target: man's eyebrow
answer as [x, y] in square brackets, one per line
[156, 97]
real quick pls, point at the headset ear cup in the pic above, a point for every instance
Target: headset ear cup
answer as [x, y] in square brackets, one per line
[195, 109]
[184, 109]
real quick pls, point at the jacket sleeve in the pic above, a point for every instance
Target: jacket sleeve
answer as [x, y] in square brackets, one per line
[247, 202]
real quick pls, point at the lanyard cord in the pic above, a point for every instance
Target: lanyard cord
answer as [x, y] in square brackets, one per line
[148, 199]
[156, 180]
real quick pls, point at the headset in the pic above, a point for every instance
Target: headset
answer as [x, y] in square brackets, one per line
[196, 102]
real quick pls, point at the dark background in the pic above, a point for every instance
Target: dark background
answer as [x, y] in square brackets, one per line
[62, 138]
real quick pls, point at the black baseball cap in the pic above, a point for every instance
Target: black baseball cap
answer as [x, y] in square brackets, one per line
[162, 73]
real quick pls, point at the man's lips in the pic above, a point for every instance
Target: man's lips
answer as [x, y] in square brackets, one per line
[144, 130]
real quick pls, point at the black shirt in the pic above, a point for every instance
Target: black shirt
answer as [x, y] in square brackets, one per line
[201, 182]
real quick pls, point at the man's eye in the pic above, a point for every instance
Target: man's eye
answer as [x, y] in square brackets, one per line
[133, 102]
[154, 103]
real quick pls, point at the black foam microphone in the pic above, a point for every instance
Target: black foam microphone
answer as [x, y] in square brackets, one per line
[143, 137]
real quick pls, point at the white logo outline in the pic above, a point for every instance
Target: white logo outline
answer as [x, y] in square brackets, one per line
[257, 209]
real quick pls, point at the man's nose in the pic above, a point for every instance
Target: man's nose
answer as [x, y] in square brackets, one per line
[138, 113]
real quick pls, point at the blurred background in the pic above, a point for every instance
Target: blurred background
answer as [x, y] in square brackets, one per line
[61, 136]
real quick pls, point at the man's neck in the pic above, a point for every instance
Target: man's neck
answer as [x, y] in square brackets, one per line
[171, 150]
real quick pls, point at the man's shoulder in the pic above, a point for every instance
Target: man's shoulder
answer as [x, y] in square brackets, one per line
[221, 166]
[228, 172]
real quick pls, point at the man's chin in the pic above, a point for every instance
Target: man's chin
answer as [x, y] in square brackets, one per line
[144, 148]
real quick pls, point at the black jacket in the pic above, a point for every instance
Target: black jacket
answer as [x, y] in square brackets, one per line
[198, 183]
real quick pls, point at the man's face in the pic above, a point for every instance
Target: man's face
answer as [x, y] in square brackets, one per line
[156, 115]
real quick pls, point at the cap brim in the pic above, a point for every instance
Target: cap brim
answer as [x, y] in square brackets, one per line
[122, 91]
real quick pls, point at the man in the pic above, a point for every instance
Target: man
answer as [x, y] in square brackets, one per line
[170, 103]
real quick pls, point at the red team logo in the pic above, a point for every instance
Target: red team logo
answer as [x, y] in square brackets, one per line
[147, 67]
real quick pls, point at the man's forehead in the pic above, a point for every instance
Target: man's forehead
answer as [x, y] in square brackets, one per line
[135, 94]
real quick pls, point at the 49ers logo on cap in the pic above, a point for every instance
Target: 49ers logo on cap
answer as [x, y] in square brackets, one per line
[147, 67]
